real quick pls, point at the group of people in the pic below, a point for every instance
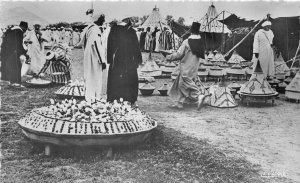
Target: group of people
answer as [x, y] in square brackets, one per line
[111, 59]
[112, 56]
[31, 43]
[185, 89]
[63, 35]
[155, 40]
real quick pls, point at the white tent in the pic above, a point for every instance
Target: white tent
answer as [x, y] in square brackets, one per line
[155, 20]
[210, 23]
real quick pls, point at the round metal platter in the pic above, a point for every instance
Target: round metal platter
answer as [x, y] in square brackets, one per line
[107, 137]
[38, 84]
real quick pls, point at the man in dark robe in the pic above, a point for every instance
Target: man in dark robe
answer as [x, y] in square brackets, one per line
[124, 57]
[154, 38]
[142, 39]
[11, 50]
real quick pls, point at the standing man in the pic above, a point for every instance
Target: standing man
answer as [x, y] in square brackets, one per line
[262, 49]
[154, 38]
[94, 62]
[138, 34]
[142, 39]
[11, 50]
[124, 57]
[75, 37]
[36, 49]
[148, 39]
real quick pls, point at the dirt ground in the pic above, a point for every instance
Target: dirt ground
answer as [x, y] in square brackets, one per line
[264, 135]
[256, 143]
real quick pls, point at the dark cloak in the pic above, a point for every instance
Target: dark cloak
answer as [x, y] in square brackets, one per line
[11, 50]
[124, 56]
[197, 47]
[142, 40]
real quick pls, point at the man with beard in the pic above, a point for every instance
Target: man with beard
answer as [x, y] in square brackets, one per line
[94, 61]
[11, 50]
[124, 56]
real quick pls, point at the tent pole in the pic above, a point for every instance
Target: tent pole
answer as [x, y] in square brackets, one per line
[223, 39]
[244, 38]
[211, 20]
[173, 35]
[287, 38]
[294, 59]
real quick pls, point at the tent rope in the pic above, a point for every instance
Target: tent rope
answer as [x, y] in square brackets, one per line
[294, 59]
[244, 38]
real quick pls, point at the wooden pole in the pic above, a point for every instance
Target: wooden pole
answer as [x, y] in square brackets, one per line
[208, 23]
[297, 49]
[223, 38]
[244, 38]
[173, 34]
[294, 59]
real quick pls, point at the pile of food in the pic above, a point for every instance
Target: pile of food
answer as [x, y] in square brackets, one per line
[73, 89]
[71, 117]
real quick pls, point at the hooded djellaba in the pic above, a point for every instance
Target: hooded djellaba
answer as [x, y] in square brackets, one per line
[123, 57]
[184, 88]
[11, 50]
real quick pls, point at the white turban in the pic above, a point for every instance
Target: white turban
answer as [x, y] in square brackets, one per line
[96, 16]
[266, 23]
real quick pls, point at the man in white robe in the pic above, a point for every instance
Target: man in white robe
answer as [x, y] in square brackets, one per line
[138, 34]
[67, 37]
[104, 39]
[75, 37]
[94, 59]
[56, 36]
[36, 50]
[157, 45]
[263, 51]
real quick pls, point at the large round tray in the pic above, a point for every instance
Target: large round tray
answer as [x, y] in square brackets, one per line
[33, 84]
[103, 139]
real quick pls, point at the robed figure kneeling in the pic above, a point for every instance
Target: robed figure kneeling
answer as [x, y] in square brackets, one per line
[124, 56]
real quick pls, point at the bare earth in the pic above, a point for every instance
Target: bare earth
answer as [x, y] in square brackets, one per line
[266, 136]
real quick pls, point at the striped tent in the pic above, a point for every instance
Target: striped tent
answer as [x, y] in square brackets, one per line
[210, 23]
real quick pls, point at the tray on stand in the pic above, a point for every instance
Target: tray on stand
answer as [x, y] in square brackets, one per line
[249, 97]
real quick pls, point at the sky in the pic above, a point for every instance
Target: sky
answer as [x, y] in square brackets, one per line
[72, 11]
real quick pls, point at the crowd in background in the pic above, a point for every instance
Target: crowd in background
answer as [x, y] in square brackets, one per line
[157, 39]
